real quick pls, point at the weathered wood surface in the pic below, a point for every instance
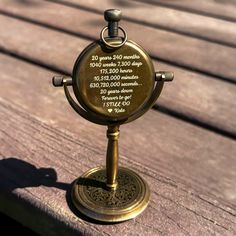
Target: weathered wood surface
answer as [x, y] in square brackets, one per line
[203, 152]
[191, 170]
[180, 22]
[35, 148]
[214, 8]
[194, 95]
[218, 61]
[43, 149]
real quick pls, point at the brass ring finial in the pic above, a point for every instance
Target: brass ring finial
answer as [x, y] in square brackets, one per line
[112, 45]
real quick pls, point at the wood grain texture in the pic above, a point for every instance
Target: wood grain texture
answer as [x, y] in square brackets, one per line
[194, 156]
[32, 147]
[44, 145]
[169, 19]
[223, 9]
[200, 97]
[195, 54]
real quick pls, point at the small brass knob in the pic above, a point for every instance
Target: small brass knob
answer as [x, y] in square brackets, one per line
[59, 80]
[164, 76]
[113, 16]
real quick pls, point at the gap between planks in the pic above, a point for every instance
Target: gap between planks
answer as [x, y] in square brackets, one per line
[220, 10]
[190, 25]
[171, 210]
[168, 56]
[169, 140]
[213, 97]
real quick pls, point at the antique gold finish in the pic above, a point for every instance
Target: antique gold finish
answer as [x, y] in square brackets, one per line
[115, 83]
[164, 76]
[91, 196]
[112, 157]
[91, 99]
[113, 45]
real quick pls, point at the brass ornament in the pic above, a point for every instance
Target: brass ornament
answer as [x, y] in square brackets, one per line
[92, 198]
[115, 83]
[120, 89]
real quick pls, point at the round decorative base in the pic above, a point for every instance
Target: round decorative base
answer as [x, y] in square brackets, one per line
[93, 199]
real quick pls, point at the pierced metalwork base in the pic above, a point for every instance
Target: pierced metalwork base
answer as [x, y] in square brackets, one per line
[93, 199]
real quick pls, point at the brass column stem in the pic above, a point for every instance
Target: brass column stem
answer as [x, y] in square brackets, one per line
[112, 156]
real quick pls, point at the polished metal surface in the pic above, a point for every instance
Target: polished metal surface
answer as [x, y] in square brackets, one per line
[112, 156]
[115, 83]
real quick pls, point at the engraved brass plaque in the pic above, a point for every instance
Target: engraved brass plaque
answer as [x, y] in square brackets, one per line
[114, 84]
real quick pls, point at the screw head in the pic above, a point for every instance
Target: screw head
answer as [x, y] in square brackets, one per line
[113, 15]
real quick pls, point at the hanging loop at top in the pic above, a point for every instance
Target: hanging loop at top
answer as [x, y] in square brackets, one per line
[110, 44]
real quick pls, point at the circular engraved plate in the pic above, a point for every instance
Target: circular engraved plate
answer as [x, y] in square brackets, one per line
[92, 198]
[113, 83]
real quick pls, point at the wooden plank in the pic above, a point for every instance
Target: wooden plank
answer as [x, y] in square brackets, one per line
[188, 154]
[196, 96]
[171, 47]
[219, 9]
[39, 143]
[31, 149]
[169, 19]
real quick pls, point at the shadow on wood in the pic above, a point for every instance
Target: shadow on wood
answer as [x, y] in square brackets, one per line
[24, 174]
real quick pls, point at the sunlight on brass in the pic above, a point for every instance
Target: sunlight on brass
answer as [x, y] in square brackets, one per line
[115, 83]
[164, 76]
[91, 99]
[94, 200]
[112, 157]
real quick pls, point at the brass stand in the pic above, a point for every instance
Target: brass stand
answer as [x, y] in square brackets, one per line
[112, 157]
[110, 194]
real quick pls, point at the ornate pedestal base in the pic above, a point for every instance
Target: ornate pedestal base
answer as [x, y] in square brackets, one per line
[93, 199]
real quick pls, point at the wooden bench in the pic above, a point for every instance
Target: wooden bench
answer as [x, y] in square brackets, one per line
[184, 147]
